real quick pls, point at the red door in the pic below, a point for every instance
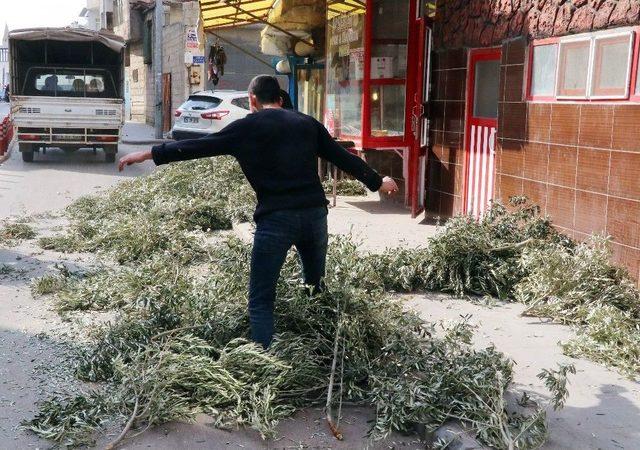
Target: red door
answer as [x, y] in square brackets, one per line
[481, 129]
[420, 122]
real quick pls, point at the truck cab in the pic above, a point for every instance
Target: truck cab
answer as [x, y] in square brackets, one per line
[68, 90]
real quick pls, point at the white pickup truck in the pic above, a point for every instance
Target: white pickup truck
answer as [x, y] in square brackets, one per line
[67, 90]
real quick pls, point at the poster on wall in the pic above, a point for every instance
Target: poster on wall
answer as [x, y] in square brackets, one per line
[193, 53]
[192, 41]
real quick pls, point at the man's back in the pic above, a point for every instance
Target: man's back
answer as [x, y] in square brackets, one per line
[279, 157]
[277, 150]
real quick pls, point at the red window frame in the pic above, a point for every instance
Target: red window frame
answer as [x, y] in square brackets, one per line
[635, 69]
[633, 97]
[381, 142]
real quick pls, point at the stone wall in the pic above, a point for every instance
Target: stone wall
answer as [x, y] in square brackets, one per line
[141, 76]
[482, 23]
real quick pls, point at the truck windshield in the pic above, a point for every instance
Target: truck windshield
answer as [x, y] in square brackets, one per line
[52, 82]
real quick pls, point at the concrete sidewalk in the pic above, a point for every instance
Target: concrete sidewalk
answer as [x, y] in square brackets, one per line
[137, 133]
[376, 225]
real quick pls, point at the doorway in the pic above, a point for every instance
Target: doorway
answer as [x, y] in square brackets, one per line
[420, 120]
[483, 86]
[166, 102]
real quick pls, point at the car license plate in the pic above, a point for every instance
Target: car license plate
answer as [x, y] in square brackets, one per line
[191, 120]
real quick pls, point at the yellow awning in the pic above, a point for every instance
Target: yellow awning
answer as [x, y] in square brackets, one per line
[339, 7]
[225, 13]
[231, 13]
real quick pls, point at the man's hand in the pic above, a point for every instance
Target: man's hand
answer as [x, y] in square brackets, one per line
[388, 186]
[133, 158]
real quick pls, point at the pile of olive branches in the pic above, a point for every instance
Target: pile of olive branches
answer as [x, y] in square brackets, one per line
[12, 232]
[180, 347]
[179, 343]
[345, 186]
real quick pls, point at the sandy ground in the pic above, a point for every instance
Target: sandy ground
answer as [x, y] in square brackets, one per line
[603, 411]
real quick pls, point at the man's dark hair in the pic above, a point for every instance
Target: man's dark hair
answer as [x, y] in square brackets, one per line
[265, 88]
[286, 99]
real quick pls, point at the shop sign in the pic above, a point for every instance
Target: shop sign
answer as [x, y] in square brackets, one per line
[190, 58]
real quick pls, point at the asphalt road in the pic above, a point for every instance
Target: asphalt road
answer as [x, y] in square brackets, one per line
[56, 178]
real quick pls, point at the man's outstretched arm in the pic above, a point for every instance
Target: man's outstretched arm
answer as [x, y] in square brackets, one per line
[214, 144]
[333, 152]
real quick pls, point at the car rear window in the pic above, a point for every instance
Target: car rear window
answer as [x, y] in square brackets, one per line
[242, 102]
[201, 103]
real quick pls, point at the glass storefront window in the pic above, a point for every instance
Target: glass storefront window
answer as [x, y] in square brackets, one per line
[387, 110]
[345, 73]
[389, 39]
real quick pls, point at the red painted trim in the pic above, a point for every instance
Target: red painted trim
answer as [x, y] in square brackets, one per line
[483, 122]
[484, 54]
[370, 141]
[387, 81]
[366, 89]
[635, 68]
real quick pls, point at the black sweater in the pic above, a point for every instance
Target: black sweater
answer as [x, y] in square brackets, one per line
[277, 150]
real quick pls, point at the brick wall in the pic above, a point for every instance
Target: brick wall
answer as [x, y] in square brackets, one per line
[580, 162]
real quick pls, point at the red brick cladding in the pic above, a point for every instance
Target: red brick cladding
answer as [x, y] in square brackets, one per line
[482, 23]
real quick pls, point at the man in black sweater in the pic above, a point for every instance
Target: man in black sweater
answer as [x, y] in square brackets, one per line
[277, 150]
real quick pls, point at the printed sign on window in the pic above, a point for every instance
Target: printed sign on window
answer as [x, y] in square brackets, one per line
[381, 67]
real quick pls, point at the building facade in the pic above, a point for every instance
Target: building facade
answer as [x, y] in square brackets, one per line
[98, 15]
[557, 83]
[4, 59]
[134, 20]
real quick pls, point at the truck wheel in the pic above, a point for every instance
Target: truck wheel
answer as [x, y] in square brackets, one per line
[27, 152]
[110, 153]
[110, 157]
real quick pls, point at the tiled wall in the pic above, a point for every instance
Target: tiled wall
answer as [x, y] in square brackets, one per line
[580, 162]
[446, 158]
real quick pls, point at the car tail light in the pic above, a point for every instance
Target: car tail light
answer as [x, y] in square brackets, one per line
[214, 115]
[106, 138]
[28, 137]
[178, 113]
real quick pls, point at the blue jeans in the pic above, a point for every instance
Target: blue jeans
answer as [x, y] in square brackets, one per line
[276, 233]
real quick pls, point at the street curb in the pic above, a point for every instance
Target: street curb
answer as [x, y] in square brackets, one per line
[145, 141]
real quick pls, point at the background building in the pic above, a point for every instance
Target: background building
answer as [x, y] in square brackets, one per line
[4, 59]
[134, 20]
[98, 14]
